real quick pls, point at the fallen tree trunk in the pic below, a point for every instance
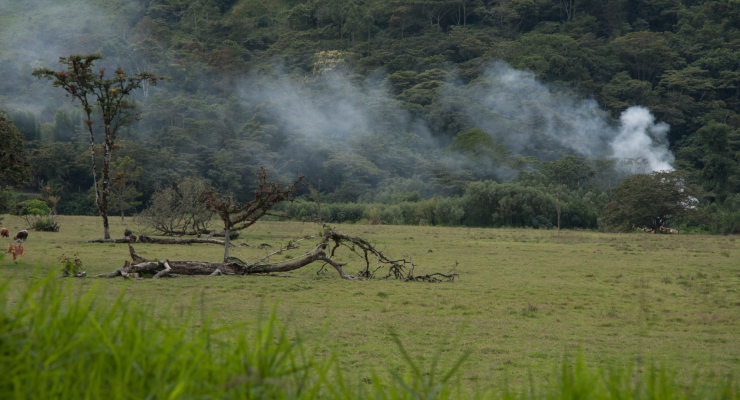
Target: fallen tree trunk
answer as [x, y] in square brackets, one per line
[232, 235]
[148, 239]
[234, 266]
[154, 240]
[127, 239]
[167, 267]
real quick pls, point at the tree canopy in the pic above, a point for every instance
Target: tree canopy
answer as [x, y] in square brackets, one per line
[384, 101]
[13, 166]
[652, 199]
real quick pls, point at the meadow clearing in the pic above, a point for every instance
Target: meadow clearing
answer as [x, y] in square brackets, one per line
[525, 298]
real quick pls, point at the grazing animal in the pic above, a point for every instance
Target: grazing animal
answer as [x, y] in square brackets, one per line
[127, 232]
[16, 250]
[4, 233]
[22, 235]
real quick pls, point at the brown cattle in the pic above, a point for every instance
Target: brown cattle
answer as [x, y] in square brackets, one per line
[22, 235]
[4, 233]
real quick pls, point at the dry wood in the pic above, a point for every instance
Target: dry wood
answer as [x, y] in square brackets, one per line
[232, 235]
[235, 266]
[148, 239]
[67, 274]
[165, 272]
[127, 239]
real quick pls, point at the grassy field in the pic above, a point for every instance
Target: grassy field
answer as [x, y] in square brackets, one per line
[524, 299]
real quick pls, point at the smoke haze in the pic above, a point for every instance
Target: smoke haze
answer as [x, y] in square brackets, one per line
[362, 117]
[511, 105]
[513, 101]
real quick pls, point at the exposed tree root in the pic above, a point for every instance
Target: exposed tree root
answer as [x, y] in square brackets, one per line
[236, 266]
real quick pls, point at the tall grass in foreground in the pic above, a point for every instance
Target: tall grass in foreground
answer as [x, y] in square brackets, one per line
[55, 344]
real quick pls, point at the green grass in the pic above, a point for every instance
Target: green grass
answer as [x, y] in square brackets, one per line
[57, 344]
[524, 300]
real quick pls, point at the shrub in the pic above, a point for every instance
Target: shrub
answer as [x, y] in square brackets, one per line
[37, 214]
[449, 211]
[31, 207]
[45, 224]
[390, 215]
[71, 265]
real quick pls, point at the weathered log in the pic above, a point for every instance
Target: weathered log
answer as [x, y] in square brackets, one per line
[235, 266]
[316, 255]
[165, 272]
[67, 274]
[232, 235]
[127, 239]
[119, 272]
[148, 239]
[168, 268]
[137, 258]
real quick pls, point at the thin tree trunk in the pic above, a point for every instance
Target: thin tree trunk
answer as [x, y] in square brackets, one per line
[226, 245]
[105, 192]
[122, 215]
[106, 228]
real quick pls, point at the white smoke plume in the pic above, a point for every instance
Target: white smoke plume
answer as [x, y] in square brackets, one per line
[640, 137]
[529, 117]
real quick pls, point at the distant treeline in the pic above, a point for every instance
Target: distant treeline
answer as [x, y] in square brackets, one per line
[484, 204]
[368, 97]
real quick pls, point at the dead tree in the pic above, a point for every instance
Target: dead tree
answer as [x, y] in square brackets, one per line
[178, 210]
[237, 217]
[402, 269]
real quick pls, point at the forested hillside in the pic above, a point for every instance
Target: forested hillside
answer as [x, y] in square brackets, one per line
[476, 112]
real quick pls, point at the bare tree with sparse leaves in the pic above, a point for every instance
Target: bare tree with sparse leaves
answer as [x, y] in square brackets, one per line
[103, 97]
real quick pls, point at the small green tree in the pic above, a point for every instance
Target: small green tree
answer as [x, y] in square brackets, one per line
[109, 98]
[652, 199]
[37, 214]
[123, 190]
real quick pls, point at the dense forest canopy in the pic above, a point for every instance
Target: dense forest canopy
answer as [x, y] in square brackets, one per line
[489, 112]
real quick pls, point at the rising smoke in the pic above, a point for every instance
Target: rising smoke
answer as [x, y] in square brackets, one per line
[640, 137]
[526, 115]
[529, 117]
[362, 118]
